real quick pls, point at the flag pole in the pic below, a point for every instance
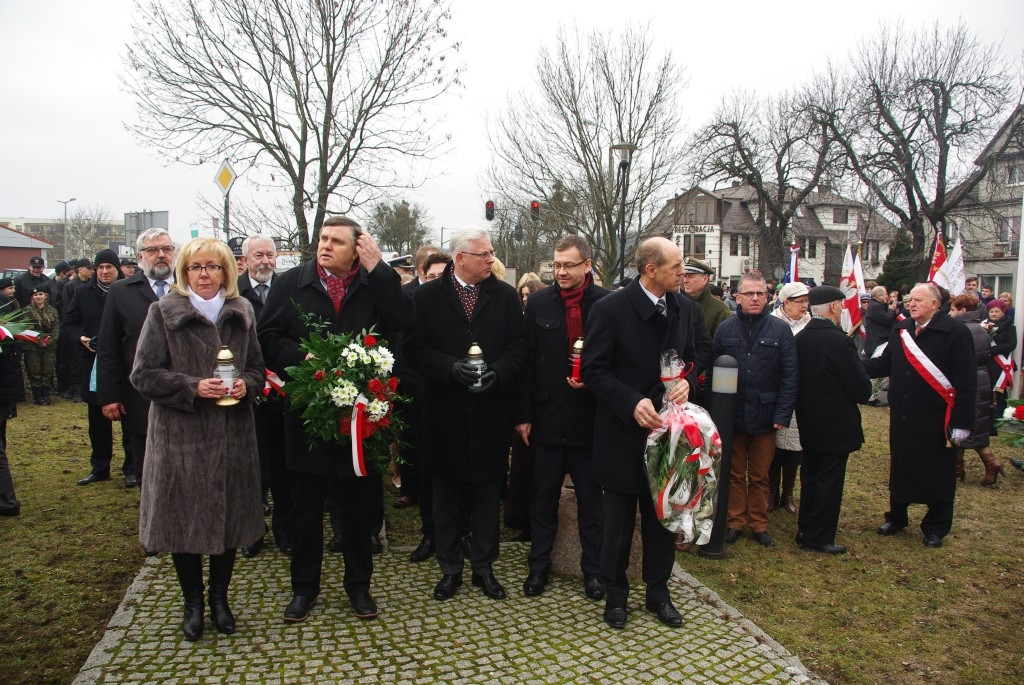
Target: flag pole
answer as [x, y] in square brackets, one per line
[1018, 312]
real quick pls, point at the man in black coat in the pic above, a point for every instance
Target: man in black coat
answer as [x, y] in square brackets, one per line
[928, 348]
[832, 382]
[366, 293]
[626, 333]
[556, 414]
[123, 315]
[30, 280]
[878, 319]
[468, 418]
[81, 325]
[254, 285]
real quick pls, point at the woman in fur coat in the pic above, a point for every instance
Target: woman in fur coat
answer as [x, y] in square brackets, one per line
[201, 485]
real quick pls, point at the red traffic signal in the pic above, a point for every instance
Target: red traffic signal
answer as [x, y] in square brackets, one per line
[489, 210]
[535, 211]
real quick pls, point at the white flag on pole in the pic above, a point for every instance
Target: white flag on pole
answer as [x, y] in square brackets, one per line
[950, 274]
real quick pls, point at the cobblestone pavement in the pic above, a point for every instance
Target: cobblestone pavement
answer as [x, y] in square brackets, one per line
[558, 637]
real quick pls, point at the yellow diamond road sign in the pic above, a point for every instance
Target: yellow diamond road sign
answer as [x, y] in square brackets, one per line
[225, 177]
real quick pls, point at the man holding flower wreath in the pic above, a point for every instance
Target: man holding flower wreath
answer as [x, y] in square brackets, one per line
[351, 288]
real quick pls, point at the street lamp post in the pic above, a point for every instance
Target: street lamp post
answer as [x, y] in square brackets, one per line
[624, 153]
[66, 203]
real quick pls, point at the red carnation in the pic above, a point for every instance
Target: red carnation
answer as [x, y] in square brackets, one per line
[385, 422]
[1018, 412]
[369, 341]
[319, 375]
[392, 383]
[337, 373]
[375, 386]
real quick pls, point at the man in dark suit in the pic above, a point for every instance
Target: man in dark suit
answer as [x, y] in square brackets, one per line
[832, 382]
[878, 319]
[260, 258]
[468, 417]
[625, 335]
[350, 287]
[555, 414]
[928, 350]
[123, 315]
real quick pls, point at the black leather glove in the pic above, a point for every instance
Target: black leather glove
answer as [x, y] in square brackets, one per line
[487, 381]
[464, 373]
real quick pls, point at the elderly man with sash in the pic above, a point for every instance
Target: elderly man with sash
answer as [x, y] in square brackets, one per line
[930, 363]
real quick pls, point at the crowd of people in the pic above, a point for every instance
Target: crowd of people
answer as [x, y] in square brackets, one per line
[570, 386]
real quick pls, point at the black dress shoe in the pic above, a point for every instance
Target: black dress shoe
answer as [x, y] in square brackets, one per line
[423, 551]
[932, 541]
[285, 545]
[267, 509]
[889, 528]
[298, 609]
[615, 617]
[593, 587]
[404, 502]
[535, 583]
[130, 481]
[666, 613]
[249, 551]
[376, 546]
[490, 585]
[335, 544]
[94, 478]
[829, 548]
[764, 539]
[192, 624]
[732, 535]
[363, 605]
[448, 585]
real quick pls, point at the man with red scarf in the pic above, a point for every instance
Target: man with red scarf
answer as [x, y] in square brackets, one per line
[555, 414]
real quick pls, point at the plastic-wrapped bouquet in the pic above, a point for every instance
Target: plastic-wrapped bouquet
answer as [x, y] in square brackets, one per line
[683, 459]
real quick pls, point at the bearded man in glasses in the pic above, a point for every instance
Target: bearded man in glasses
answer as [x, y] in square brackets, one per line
[123, 315]
[763, 346]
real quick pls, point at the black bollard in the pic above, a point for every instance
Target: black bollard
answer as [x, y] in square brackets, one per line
[722, 407]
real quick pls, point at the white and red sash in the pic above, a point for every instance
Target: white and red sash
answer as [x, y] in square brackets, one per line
[358, 411]
[1006, 369]
[931, 374]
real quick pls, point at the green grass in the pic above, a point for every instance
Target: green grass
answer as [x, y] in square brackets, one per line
[890, 611]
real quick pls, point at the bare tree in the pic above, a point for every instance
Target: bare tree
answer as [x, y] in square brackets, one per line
[399, 226]
[553, 143]
[923, 104]
[89, 230]
[321, 98]
[781, 146]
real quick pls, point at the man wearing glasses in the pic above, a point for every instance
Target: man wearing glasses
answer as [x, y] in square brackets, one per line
[555, 414]
[123, 315]
[763, 346]
[467, 422]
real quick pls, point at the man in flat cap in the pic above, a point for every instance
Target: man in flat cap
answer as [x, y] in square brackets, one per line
[832, 383]
[30, 280]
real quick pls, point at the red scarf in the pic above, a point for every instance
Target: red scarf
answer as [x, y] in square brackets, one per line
[573, 301]
[337, 285]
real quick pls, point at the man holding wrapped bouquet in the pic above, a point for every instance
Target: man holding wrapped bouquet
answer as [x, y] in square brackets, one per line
[626, 333]
[350, 287]
[467, 423]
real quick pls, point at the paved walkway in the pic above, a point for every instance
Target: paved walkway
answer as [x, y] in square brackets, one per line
[556, 638]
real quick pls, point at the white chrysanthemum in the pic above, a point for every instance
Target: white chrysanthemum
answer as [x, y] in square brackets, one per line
[377, 409]
[1008, 413]
[344, 394]
[383, 359]
[351, 357]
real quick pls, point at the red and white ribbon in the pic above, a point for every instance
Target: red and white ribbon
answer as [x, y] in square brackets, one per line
[1006, 367]
[931, 374]
[272, 383]
[356, 435]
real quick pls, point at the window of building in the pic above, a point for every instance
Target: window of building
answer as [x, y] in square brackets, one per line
[840, 215]
[694, 245]
[1016, 174]
[734, 245]
[746, 246]
[1008, 232]
[874, 252]
[810, 248]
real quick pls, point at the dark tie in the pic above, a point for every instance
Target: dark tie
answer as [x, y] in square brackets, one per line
[660, 306]
[161, 289]
[261, 290]
[917, 329]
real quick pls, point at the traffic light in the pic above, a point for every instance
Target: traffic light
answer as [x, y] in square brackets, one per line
[535, 211]
[489, 210]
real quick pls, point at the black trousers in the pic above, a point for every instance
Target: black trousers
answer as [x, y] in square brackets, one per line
[273, 467]
[352, 495]
[937, 521]
[451, 499]
[658, 547]
[101, 438]
[821, 495]
[138, 445]
[6, 482]
[551, 462]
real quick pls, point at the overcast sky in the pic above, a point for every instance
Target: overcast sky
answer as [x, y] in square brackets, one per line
[62, 136]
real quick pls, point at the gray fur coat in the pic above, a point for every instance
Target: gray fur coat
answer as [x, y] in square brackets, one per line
[201, 484]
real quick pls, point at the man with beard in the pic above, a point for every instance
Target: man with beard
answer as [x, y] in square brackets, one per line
[125, 311]
[254, 285]
[81, 326]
